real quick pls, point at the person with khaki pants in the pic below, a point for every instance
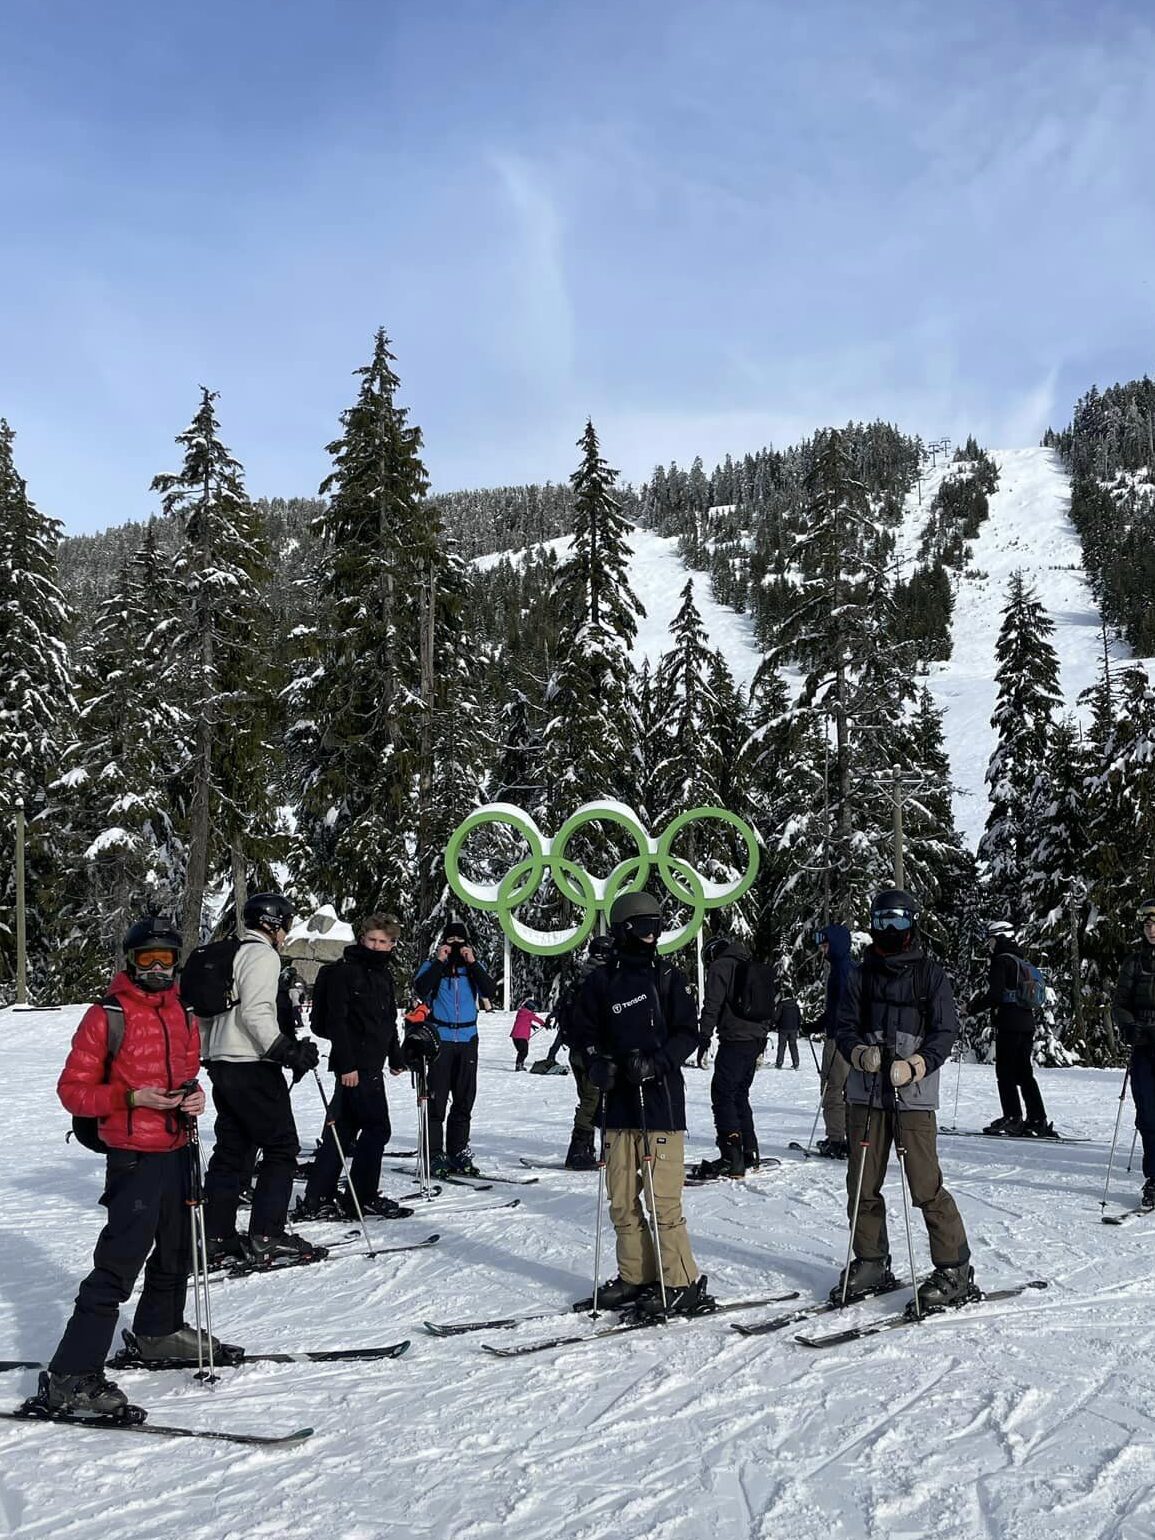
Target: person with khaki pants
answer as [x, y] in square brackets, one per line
[635, 1022]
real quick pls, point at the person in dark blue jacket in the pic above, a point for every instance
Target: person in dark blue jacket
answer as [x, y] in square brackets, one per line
[451, 983]
[635, 1021]
[834, 944]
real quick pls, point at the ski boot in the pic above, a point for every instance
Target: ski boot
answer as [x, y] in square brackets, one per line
[78, 1395]
[683, 1299]
[281, 1250]
[222, 1249]
[440, 1168]
[833, 1149]
[461, 1164]
[580, 1155]
[1040, 1129]
[1147, 1200]
[323, 1210]
[177, 1348]
[1009, 1128]
[617, 1295]
[380, 1206]
[865, 1276]
[945, 1289]
[751, 1156]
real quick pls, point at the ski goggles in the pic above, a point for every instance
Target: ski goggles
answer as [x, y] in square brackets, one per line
[644, 925]
[155, 957]
[1147, 914]
[891, 919]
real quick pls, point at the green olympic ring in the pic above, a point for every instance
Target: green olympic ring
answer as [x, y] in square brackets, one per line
[594, 895]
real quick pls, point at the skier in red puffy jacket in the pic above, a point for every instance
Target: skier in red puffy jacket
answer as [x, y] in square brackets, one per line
[142, 1098]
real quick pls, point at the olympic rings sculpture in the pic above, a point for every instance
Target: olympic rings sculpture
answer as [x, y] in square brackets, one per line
[594, 895]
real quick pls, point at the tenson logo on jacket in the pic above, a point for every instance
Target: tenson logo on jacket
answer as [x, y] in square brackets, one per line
[623, 1005]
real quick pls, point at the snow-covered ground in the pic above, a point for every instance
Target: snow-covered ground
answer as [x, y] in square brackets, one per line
[1029, 1420]
[1029, 530]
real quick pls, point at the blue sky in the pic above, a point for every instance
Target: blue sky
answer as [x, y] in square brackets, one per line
[708, 226]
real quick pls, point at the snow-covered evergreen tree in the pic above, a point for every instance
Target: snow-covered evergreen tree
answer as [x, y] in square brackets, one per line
[36, 700]
[226, 657]
[1027, 675]
[355, 734]
[122, 852]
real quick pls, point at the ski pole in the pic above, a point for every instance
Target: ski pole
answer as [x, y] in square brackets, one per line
[1114, 1138]
[1131, 1157]
[900, 1151]
[858, 1187]
[424, 1154]
[598, 1220]
[331, 1125]
[200, 1254]
[814, 1056]
[821, 1092]
[957, 1081]
[648, 1176]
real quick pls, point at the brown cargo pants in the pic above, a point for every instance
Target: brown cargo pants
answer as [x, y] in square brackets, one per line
[834, 1072]
[948, 1240]
[626, 1186]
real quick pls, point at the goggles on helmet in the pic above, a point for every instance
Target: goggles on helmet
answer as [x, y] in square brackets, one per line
[891, 919]
[155, 957]
[1146, 913]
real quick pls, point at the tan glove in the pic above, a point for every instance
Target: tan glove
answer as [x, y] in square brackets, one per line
[866, 1058]
[903, 1071]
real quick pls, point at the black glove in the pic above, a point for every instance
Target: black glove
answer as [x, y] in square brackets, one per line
[602, 1072]
[641, 1067]
[298, 1054]
[421, 1045]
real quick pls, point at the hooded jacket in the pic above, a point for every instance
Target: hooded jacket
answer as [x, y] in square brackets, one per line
[718, 1013]
[839, 964]
[638, 1005]
[452, 989]
[1007, 1016]
[902, 1004]
[161, 1047]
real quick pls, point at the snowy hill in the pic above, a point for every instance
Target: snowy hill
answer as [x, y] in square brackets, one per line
[1028, 528]
[1024, 1420]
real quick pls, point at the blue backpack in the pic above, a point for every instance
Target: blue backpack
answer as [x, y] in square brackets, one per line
[1030, 988]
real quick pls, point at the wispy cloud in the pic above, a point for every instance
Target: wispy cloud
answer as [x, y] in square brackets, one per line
[543, 339]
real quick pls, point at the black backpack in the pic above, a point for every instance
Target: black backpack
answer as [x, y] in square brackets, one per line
[755, 993]
[86, 1130]
[319, 1003]
[206, 980]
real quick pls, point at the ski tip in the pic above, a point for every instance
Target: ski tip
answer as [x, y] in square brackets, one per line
[401, 1348]
[431, 1240]
[299, 1436]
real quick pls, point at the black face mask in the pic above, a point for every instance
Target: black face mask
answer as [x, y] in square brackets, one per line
[890, 942]
[637, 946]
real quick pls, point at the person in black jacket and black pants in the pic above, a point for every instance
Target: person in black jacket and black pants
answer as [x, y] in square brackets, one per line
[1014, 1028]
[635, 1021]
[360, 1020]
[740, 1045]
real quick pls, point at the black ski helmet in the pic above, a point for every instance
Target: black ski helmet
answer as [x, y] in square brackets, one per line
[1146, 911]
[632, 914]
[268, 911]
[714, 948]
[155, 933]
[892, 910]
[600, 948]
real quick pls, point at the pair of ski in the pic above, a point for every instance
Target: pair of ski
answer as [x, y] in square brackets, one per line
[981, 1133]
[343, 1248]
[128, 1358]
[1127, 1215]
[631, 1323]
[887, 1323]
[477, 1183]
[693, 1177]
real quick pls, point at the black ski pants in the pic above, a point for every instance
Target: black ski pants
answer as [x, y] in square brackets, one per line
[452, 1078]
[254, 1113]
[360, 1115]
[148, 1226]
[734, 1067]
[1014, 1072]
[1143, 1091]
[788, 1039]
[521, 1050]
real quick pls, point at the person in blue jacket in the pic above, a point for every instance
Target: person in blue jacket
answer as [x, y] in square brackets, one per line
[833, 942]
[451, 983]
